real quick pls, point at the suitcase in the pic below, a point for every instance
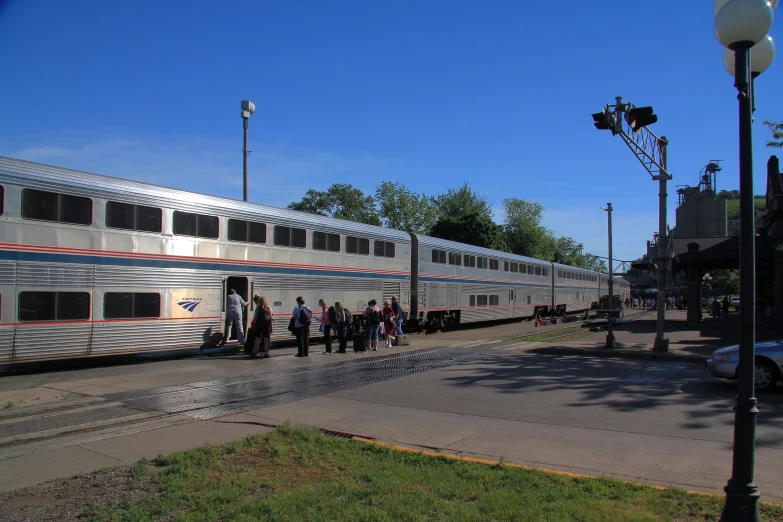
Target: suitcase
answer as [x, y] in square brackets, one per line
[402, 340]
[358, 342]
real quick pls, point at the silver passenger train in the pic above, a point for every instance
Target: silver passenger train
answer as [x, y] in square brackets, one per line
[92, 265]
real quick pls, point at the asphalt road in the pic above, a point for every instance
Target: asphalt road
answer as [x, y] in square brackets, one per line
[666, 423]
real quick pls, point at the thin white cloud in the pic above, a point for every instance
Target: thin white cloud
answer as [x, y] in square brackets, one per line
[42, 153]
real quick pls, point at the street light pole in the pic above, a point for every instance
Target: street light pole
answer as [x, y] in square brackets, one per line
[741, 25]
[610, 320]
[248, 108]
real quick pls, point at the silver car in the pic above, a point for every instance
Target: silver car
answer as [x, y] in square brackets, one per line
[769, 360]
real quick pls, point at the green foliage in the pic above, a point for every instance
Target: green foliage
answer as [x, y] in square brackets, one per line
[524, 233]
[732, 207]
[725, 281]
[460, 202]
[729, 194]
[292, 474]
[340, 201]
[404, 210]
[473, 229]
[777, 134]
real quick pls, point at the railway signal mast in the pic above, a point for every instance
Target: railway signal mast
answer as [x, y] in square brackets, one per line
[650, 150]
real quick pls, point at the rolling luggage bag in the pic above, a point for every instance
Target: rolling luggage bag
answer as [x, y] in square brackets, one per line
[402, 340]
[358, 342]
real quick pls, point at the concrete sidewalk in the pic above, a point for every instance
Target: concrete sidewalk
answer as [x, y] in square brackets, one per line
[635, 340]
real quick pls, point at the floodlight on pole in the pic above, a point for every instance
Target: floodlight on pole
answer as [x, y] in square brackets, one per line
[248, 108]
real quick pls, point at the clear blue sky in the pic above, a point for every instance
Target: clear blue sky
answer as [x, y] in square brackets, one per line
[431, 94]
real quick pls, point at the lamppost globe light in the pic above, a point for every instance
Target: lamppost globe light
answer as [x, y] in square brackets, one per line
[718, 5]
[248, 106]
[761, 56]
[743, 21]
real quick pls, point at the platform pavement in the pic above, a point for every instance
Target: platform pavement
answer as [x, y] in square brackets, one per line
[687, 343]
[176, 432]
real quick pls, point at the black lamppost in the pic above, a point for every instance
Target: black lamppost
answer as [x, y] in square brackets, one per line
[739, 26]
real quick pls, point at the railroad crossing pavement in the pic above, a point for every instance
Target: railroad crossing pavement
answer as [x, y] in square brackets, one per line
[658, 422]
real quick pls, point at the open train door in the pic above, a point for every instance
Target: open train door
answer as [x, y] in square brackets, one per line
[244, 288]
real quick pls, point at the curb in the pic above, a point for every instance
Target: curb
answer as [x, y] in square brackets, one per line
[618, 353]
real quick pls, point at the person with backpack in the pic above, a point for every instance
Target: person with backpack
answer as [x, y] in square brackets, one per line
[397, 309]
[326, 325]
[302, 316]
[372, 323]
[342, 320]
[263, 326]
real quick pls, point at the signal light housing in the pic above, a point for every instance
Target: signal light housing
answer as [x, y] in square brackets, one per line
[604, 120]
[639, 117]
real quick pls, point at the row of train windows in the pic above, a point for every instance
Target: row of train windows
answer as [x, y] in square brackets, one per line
[75, 306]
[61, 208]
[565, 274]
[484, 300]
[470, 261]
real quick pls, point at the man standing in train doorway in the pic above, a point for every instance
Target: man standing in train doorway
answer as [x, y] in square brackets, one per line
[234, 306]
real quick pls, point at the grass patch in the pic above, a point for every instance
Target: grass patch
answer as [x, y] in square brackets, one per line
[292, 474]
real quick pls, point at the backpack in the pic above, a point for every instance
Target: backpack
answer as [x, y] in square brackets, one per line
[373, 317]
[305, 315]
[264, 318]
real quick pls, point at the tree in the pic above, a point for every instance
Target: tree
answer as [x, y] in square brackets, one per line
[340, 201]
[594, 263]
[473, 229]
[404, 210]
[460, 202]
[729, 194]
[725, 280]
[523, 231]
[777, 134]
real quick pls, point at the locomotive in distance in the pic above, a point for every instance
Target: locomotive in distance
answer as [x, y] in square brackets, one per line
[92, 265]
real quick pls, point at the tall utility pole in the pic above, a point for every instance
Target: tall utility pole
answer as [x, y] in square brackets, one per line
[248, 108]
[610, 320]
[650, 150]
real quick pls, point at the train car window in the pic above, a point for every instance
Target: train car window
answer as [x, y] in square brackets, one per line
[529, 300]
[515, 267]
[126, 305]
[494, 300]
[482, 300]
[133, 217]
[523, 269]
[505, 266]
[54, 306]
[293, 237]
[388, 249]
[324, 241]
[494, 264]
[473, 300]
[2, 200]
[246, 231]
[538, 270]
[149, 219]
[76, 210]
[185, 223]
[199, 225]
[208, 226]
[544, 271]
[51, 206]
[438, 256]
[469, 261]
[455, 259]
[482, 262]
[560, 274]
[120, 215]
[357, 245]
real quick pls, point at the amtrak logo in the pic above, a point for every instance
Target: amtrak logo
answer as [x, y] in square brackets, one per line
[189, 305]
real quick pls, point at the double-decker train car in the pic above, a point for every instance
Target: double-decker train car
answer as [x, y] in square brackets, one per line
[92, 265]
